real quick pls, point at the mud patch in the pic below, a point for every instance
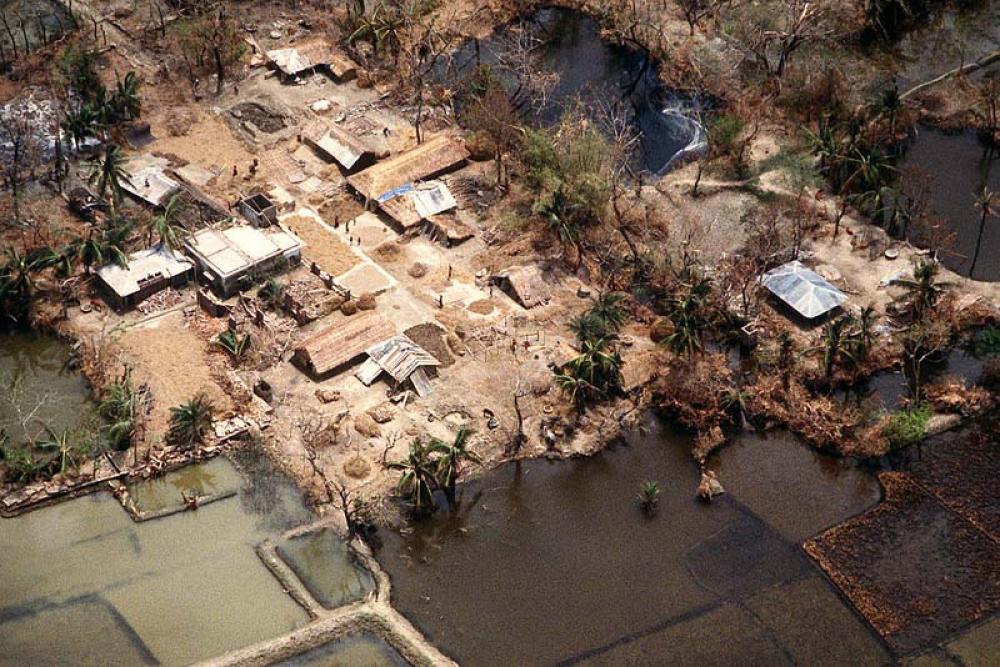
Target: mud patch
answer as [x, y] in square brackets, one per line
[913, 567]
[431, 337]
[261, 118]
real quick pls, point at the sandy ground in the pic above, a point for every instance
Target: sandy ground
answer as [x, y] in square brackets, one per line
[326, 249]
[173, 360]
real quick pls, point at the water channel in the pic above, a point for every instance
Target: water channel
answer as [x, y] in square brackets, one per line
[587, 67]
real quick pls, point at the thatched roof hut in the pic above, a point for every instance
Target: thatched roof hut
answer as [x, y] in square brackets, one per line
[338, 345]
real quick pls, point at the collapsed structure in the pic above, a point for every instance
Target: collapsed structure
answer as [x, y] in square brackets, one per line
[339, 145]
[401, 359]
[310, 54]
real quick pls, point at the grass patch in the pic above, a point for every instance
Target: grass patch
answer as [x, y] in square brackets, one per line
[907, 427]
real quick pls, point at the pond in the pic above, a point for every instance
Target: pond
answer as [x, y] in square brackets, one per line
[84, 584]
[39, 389]
[590, 68]
[957, 169]
[362, 650]
[553, 562]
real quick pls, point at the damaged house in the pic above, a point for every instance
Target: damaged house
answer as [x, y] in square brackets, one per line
[402, 360]
[234, 258]
[146, 273]
[311, 54]
[339, 145]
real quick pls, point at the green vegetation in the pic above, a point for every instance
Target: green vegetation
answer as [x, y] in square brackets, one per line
[987, 342]
[907, 427]
[418, 479]
[451, 458]
[18, 281]
[272, 294]
[692, 316]
[190, 421]
[121, 407]
[235, 343]
[649, 496]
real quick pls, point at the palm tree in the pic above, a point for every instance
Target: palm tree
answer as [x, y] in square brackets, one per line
[451, 458]
[110, 173]
[786, 357]
[17, 278]
[233, 343]
[889, 104]
[418, 480]
[166, 225]
[98, 247]
[834, 345]
[649, 496]
[985, 202]
[864, 338]
[68, 451]
[603, 320]
[595, 373]
[80, 124]
[923, 290]
[126, 98]
[691, 316]
[120, 408]
[189, 421]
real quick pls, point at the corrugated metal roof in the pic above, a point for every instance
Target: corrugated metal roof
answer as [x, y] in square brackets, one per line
[803, 289]
[336, 143]
[400, 357]
[150, 184]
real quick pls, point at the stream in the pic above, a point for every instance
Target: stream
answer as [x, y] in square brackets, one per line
[587, 67]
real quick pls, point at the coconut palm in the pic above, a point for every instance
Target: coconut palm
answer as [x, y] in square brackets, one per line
[864, 337]
[595, 373]
[126, 98]
[923, 290]
[17, 278]
[189, 421]
[985, 205]
[419, 478]
[109, 174]
[603, 320]
[166, 225]
[80, 124]
[691, 316]
[97, 248]
[451, 459]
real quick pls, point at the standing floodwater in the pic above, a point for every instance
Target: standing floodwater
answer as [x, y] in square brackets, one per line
[84, 584]
[957, 169]
[598, 72]
[554, 563]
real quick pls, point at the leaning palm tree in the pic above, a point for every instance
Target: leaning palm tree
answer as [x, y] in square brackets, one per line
[190, 421]
[418, 480]
[452, 457]
[166, 226]
[985, 205]
[119, 407]
[834, 345]
[109, 174]
[97, 249]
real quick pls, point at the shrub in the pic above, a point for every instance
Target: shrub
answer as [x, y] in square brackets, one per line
[907, 427]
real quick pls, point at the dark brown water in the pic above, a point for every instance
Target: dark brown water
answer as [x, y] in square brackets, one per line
[553, 563]
[958, 170]
[595, 71]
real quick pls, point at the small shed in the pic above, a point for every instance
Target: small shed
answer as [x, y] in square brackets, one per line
[524, 284]
[147, 272]
[402, 359]
[259, 210]
[432, 158]
[339, 145]
[309, 54]
[802, 289]
[342, 343]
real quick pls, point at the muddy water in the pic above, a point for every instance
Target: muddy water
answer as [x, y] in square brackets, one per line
[37, 389]
[589, 68]
[354, 651]
[958, 169]
[84, 584]
[318, 561]
[553, 563]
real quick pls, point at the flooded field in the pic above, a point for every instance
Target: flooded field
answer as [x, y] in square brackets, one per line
[958, 169]
[317, 559]
[586, 66]
[84, 584]
[354, 651]
[38, 389]
[553, 562]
